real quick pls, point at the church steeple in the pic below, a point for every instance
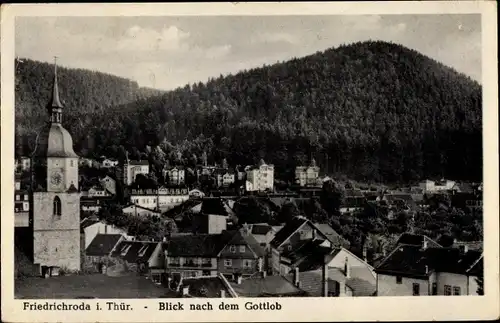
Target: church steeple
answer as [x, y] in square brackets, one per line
[55, 106]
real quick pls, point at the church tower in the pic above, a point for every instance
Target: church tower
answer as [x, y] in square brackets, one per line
[56, 207]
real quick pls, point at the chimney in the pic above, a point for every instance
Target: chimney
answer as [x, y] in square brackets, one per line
[325, 280]
[314, 233]
[238, 279]
[365, 252]
[263, 274]
[347, 268]
[222, 293]
[464, 249]
[296, 277]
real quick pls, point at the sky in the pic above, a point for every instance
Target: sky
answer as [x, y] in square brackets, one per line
[168, 52]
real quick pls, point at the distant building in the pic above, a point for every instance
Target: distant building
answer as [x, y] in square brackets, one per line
[430, 186]
[109, 184]
[206, 286]
[137, 210]
[163, 198]
[196, 194]
[307, 175]
[143, 257]
[85, 162]
[175, 176]
[224, 177]
[21, 206]
[260, 177]
[98, 191]
[132, 168]
[418, 270]
[109, 163]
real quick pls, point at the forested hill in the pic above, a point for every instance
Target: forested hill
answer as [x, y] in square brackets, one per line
[83, 92]
[369, 110]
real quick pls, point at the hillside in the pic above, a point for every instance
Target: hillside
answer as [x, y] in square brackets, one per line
[85, 94]
[369, 110]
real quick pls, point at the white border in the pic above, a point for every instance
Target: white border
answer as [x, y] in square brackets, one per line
[294, 309]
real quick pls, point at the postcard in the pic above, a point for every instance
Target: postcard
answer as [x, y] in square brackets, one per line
[227, 162]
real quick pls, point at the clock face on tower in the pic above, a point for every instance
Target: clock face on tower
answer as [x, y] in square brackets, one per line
[56, 178]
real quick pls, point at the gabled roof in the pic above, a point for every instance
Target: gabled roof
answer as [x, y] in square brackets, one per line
[141, 207]
[237, 237]
[413, 261]
[138, 162]
[88, 221]
[332, 235]
[103, 244]
[292, 226]
[307, 255]
[134, 251]
[269, 286]
[417, 240]
[200, 245]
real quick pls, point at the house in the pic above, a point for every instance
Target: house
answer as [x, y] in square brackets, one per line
[175, 176]
[224, 177]
[263, 233]
[416, 240]
[137, 210]
[92, 226]
[241, 255]
[145, 257]
[99, 249]
[98, 191]
[163, 198]
[109, 163]
[295, 233]
[418, 270]
[307, 175]
[260, 177]
[265, 286]
[191, 255]
[109, 184]
[206, 287]
[240, 173]
[430, 186]
[132, 168]
[337, 277]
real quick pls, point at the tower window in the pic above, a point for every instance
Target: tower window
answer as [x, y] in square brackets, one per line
[72, 163]
[57, 206]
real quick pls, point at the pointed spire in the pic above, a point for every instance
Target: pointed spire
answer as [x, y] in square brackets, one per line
[55, 102]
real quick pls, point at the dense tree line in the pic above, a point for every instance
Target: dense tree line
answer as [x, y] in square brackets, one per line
[370, 110]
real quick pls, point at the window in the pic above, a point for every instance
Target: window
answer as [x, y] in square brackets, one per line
[232, 249]
[72, 163]
[434, 289]
[125, 249]
[456, 290]
[399, 280]
[57, 206]
[228, 263]
[247, 264]
[416, 289]
[447, 290]
[242, 248]
[18, 197]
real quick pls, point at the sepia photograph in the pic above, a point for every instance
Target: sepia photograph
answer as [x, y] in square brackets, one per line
[247, 156]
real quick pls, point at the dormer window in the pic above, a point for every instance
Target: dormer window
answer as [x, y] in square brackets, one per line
[142, 251]
[125, 249]
[232, 249]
